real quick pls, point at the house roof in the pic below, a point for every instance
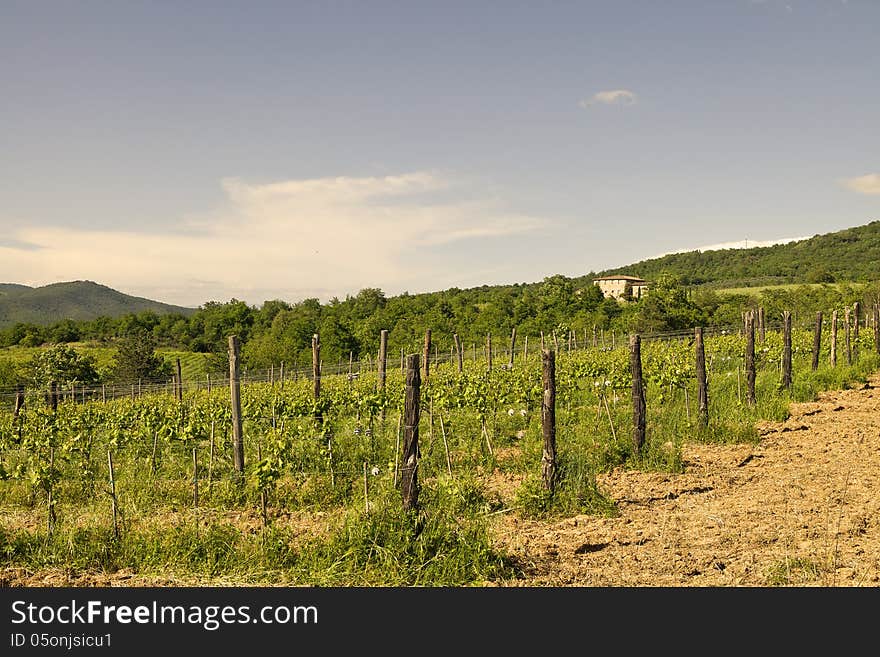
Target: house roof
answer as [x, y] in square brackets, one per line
[621, 277]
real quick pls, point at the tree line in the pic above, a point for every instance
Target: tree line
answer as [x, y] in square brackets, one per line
[279, 331]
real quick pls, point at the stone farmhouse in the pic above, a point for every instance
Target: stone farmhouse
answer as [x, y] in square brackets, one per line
[616, 286]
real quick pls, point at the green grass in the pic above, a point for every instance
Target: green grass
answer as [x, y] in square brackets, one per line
[757, 289]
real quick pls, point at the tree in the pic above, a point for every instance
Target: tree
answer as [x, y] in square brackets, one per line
[63, 365]
[136, 359]
[666, 307]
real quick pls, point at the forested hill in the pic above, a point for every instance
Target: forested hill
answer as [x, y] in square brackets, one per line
[75, 300]
[846, 255]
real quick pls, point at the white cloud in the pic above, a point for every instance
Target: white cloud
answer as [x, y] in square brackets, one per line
[868, 184]
[611, 97]
[742, 244]
[291, 239]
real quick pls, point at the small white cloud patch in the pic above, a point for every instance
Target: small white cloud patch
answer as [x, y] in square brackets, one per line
[868, 184]
[610, 97]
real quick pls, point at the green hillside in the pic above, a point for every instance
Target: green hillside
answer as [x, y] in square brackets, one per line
[76, 300]
[12, 288]
[846, 255]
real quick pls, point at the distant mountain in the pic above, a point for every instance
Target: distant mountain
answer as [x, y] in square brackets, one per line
[76, 300]
[851, 255]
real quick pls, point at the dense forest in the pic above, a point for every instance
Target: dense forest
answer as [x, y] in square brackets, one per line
[846, 255]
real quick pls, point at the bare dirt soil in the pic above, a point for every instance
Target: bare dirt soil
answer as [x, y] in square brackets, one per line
[799, 508]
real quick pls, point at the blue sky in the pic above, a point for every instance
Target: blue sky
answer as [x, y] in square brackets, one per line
[197, 151]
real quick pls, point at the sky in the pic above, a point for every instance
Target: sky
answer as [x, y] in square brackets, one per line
[206, 151]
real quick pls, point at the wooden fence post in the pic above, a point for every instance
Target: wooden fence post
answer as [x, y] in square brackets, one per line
[382, 362]
[855, 335]
[548, 419]
[833, 356]
[817, 340]
[750, 358]
[638, 393]
[458, 351]
[786, 349]
[179, 389]
[847, 320]
[235, 394]
[409, 483]
[489, 351]
[877, 328]
[702, 381]
[513, 345]
[426, 355]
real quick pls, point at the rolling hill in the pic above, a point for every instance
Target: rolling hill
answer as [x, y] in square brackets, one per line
[76, 300]
[851, 254]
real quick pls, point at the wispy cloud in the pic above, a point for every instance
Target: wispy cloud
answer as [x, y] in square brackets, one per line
[291, 239]
[610, 97]
[867, 184]
[741, 244]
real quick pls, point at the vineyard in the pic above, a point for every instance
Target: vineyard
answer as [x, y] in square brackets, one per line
[296, 478]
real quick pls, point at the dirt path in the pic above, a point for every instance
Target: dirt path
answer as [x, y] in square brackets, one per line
[801, 508]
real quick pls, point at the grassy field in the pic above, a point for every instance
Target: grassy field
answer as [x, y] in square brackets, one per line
[194, 366]
[788, 286]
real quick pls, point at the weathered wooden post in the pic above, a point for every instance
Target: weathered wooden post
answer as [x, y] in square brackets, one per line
[702, 380]
[857, 308]
[817, 340]
[846, 334]
[548, 419]
[179, 389]
[426, 355]
[19, 400]
[750, 358]
[786, 349]
[877, 328]
[235, 394]
[381, 362]
[409, 483]
[513, 346]
[833, 357]
[638, 393]
[458, 351]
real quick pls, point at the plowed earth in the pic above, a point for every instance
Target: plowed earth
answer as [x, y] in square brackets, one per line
[799, 508]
